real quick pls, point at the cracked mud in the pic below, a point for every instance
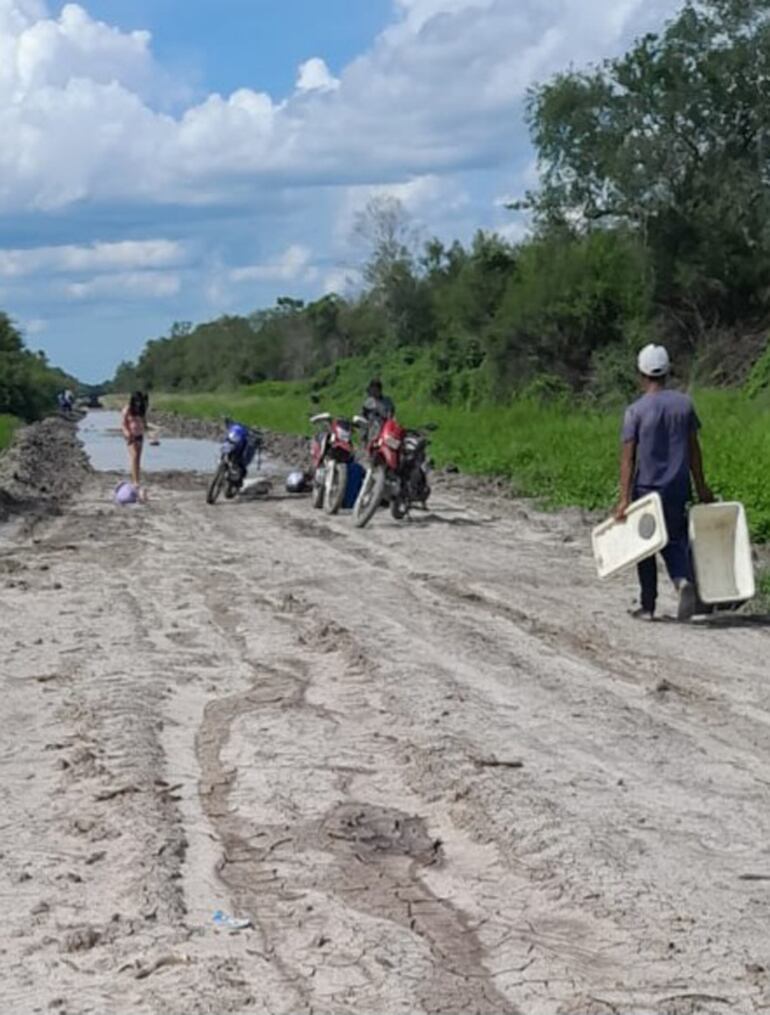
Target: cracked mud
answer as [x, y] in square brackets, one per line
[434, 765]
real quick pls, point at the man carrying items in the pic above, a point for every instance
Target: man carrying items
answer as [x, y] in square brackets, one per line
[660, 451]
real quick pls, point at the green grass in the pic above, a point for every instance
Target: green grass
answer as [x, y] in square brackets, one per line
[8, 425]
[284, 412]
[762, 600]
[559, 453]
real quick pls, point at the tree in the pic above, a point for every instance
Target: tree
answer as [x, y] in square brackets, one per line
[28, 385]
[10, 336]
[674, 139]
[391, 271]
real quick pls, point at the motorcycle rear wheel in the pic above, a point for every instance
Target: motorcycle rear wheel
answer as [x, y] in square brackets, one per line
[370, 496]
[334, 492]
[216, 484]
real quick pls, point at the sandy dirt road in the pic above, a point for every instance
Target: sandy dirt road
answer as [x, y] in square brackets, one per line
[434, 763]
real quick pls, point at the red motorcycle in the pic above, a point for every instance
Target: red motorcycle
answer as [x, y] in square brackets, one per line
[397, 471]
[332, 452]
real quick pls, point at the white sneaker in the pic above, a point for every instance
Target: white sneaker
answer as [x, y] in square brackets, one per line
[687, 599]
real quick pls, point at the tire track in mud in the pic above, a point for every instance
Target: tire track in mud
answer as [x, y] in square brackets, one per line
[629, 668]
[378, 855]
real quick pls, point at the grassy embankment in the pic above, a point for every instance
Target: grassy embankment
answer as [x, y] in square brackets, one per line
[8, 425]
[558, 452]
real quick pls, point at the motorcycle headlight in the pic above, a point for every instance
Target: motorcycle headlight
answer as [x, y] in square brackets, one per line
[393, 443]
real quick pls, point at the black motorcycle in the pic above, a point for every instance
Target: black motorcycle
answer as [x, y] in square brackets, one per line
[413, 473]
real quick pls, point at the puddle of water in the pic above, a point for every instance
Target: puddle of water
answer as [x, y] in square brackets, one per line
[105, 446]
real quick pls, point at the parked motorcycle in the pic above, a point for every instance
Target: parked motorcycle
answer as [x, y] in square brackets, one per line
[239, 447]
[332, 451]
[397, 471]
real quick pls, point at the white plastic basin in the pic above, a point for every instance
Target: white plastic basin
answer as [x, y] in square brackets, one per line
[721, 550]
[618, 545]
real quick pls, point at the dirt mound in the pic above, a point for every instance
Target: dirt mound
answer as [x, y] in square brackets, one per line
[43, 467]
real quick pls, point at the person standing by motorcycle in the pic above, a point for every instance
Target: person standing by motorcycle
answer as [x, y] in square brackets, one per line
[377, 408]
[134, 426]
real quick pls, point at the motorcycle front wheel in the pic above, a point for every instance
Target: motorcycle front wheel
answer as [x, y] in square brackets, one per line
[317, 494]
[399, 508]
[370, 496]
[216, 484]
[336, 481]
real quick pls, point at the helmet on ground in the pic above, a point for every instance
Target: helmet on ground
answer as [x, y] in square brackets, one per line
[296, 482]
[653, 361]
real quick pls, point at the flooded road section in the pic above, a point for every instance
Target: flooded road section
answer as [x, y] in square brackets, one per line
[106, 448]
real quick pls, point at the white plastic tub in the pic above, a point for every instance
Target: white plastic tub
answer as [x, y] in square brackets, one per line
[721, 550]
[618, 545]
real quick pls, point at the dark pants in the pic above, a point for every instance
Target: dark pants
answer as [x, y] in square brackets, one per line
[676, 555]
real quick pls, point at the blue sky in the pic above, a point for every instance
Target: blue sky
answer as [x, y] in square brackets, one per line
[167, 160]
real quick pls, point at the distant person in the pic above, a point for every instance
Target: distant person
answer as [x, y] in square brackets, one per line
[660, 451]
[377, 407]
[134, 426]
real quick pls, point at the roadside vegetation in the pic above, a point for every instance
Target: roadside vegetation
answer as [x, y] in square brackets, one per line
[28, 384]
[8, 425]
[550, 448]
[651, 222]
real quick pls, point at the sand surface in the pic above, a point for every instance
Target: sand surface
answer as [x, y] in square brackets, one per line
[433, 763]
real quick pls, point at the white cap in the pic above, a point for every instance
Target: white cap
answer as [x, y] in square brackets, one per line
[653, 361]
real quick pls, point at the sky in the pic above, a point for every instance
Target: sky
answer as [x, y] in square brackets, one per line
[175, 160]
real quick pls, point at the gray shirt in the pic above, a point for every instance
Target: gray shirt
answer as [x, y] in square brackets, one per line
[660, 423]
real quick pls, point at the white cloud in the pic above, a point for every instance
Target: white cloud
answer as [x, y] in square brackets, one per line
[314, 76]
[417, 13]
[514, 231]
[424, 198]
[44, 52]
[130, 285]
[293, 264]
[342, 281]
[122, 255]
[440, 90]
[34, 326]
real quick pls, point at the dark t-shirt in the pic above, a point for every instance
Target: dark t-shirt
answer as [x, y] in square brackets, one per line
[660, 423]
[378, 408]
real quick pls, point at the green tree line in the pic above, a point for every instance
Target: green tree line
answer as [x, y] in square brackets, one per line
[651, 221]
[28, 384]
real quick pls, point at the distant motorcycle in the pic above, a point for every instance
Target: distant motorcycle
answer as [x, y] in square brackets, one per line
[332, 452]
[239, 447]
[397, 471]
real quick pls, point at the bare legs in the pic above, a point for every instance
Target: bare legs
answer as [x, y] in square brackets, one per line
[135, 460]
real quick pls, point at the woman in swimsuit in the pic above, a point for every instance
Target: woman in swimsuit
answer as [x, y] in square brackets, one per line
[134, 425]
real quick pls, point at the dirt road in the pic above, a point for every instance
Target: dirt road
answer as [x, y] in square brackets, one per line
[434, 763]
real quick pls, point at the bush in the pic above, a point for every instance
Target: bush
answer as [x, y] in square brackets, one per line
[759, 378]
[8, 426]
